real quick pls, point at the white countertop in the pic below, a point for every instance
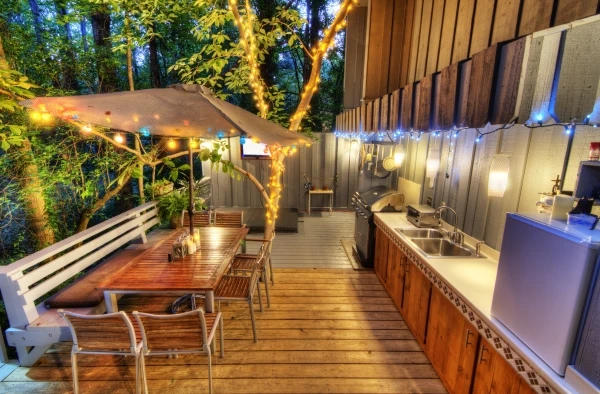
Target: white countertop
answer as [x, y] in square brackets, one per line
[473, 279]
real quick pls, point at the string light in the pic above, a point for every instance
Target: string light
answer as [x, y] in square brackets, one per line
[171, 144]
[86, 128]
[119, 138]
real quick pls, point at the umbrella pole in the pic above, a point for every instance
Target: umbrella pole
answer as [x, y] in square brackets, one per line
[191, 188]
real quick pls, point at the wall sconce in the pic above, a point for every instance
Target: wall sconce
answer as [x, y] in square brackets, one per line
[398, 156]
[498, 180]
[354, 145]
[433, 165]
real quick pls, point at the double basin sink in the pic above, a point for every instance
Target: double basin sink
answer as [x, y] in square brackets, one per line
[432, 243]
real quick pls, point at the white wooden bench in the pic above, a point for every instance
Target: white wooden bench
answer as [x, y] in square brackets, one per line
[24, 283]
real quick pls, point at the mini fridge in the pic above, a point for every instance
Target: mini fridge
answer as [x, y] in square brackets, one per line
[544, 276]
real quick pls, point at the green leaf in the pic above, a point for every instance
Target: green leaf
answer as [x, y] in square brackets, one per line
[5, 145]
[184, 167]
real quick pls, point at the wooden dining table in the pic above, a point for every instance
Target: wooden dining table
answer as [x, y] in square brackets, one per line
[197, 273]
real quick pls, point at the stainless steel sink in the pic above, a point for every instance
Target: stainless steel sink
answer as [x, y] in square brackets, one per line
[422, 233]
[441, 248]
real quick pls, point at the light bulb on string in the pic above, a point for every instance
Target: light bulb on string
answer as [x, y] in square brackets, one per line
[171, 144]
[86, 128]
[119, 138]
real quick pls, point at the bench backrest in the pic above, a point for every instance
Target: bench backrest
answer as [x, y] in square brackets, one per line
[26, 280]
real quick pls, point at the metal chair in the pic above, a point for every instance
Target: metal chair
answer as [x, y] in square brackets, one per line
[201, 219]
[185, 333]
[244, 262]
[231, 219]
[111, 333]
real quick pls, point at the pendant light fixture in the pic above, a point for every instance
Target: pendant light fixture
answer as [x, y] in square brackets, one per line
[433, 165]
[398, 155]
[498, 179]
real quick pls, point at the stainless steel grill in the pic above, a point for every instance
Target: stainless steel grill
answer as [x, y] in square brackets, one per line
[377, 199]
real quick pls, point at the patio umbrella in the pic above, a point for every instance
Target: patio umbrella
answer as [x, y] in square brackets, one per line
[179, 111]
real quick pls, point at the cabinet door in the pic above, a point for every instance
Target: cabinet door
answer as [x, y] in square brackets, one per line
[381, 255]
[451, 344]
[417, 293]
[495, 375]
[395, 274]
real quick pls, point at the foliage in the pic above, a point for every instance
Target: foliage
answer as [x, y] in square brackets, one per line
[157, 188]
[174, 170]
[14, 86]
[171, 205]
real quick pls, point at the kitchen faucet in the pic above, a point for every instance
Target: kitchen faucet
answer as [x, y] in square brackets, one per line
[455, 236]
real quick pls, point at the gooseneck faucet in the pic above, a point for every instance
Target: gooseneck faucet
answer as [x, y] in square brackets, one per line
[455, 236]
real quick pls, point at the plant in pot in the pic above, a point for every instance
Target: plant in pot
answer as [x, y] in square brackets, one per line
[159, 188]
[170, 207]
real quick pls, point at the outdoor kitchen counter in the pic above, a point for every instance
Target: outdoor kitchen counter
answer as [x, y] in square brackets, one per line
[473, 280]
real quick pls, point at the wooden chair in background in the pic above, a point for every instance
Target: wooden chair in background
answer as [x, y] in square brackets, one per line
[201, 219]
[184, 333]
[231, 219]
[111, 334]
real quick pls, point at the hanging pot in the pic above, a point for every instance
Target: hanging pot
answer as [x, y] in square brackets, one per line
[389, 163]
[379, 171]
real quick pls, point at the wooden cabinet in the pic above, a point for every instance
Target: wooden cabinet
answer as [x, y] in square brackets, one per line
[381, 255]
[415, 307]
[397, 262]
[494, 375]
[451, 344]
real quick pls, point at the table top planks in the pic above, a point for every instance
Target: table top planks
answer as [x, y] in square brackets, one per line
[200, 271]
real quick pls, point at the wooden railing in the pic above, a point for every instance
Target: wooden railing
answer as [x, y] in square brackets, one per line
[27, 280]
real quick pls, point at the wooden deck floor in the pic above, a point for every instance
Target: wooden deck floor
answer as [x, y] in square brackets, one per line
[327, 331]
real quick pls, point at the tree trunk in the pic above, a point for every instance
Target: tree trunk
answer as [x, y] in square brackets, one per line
[83, 28]
[31, 187]
[37, 20]
[130, 66]
[154, 64]
[35, 205]
[107, 73]
[268, 69]
[69, 78]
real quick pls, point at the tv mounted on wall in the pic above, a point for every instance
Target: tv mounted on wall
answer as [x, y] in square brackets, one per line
[254, 150]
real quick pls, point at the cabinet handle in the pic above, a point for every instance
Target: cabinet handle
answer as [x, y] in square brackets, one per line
[469, 333]
[481, 359]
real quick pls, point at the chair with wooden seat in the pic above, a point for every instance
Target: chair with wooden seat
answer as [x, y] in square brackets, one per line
[201, 219]
[231, 219]
[111, 334]
[244, 263]
[185, 333]
[241, 288]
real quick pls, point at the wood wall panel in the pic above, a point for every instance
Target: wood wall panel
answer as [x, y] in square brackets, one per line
[433, 50]
[384, 112]
[507, 85]
[416, 34]
[482, 25]
[447, 34]
[447, 97]
[410, 9]
[376, 115]
[535, 15]
[462, 35]
[379, 34]
[422, 122]
[426, 28]
[464, 70]
[570, 10]
[395, 101]
[398, 32]
[369, 116]
[407, 107]
[505, 20]
[481, 86]
[354, 63]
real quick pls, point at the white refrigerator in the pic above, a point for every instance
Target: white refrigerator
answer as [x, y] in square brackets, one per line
[544, 275]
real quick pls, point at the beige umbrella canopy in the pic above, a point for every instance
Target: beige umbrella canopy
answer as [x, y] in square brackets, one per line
[178, 111]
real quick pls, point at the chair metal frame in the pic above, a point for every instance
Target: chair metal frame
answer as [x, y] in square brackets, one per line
[207, 339]
[135, 349]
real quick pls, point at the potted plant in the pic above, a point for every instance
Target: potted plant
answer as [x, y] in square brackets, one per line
[170, 207]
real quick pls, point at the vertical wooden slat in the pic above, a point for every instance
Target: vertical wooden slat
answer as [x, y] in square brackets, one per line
[505, 20]
[434, 36]
[482, 25]
[376, 115]
[422, 122]
[354, 57]
[481, 87]
[447, 34]
[407, 42]
[379, 33]
[464, 23]
[363, 117]
[536, 15]
[384, 112]
[424, 39]
[463, 92]
[579, 73]
[369, 116]
[414, 47]
[540, 108]
[507, 85]
[446, 100]
[570, 10]
[395, 109]
[406, 107]
[398, 33]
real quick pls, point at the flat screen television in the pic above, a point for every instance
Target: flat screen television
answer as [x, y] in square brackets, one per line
[254, 150]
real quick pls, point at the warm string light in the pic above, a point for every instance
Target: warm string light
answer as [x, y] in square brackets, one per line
[119, 138]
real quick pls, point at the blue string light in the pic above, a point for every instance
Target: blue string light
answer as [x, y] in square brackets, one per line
[145, 131]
